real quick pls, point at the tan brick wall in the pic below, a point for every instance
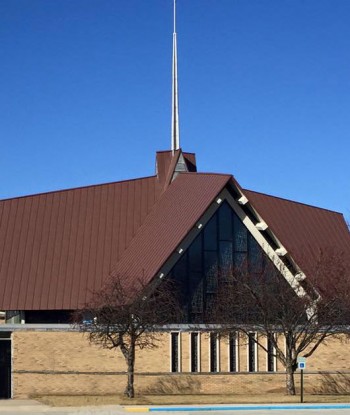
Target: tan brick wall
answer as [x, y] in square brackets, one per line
[185, 352]
[56, 352]
[61, 351]
[204, 342]
[332, 355]
[66, 363]
[224, 355]
[242, 354]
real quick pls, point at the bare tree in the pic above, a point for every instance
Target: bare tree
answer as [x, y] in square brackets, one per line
[129, 316]
[294, 324]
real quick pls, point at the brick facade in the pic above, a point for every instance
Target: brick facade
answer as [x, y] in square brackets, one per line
[66, 363]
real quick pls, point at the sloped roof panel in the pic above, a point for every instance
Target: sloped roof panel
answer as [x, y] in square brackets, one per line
[181, 205]
[58, 246]
[304, 230]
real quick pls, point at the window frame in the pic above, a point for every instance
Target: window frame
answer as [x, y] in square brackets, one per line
[192, 336]
[270, 355]
[214, 340]
[235, 346]
[177, 335]
[252, 368]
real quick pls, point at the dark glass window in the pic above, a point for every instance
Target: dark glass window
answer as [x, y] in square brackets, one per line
[251, 352]
[180, 275]
[240, 260]
[270, 356]
[194, 352]
[240, 235]
[210, 302]
[225, 255]
[213, 352]
[211, 271]
[225, 222]
[195, 255]
[48, 317]
[180, 270]
[210, 235]
[175, 366]
[5, 369]
[223, 245]
[255, 256]
[233, 352]
[196, 289]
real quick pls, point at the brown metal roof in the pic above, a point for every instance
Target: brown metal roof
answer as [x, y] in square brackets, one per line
[163, 162]
[55, 247]
[166, 163]
[174, 215]
[304, 230]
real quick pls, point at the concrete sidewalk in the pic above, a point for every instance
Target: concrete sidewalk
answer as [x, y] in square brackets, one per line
[32, 407]
[21, 405]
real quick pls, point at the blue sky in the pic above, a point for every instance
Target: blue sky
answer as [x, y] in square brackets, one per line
[85, 92]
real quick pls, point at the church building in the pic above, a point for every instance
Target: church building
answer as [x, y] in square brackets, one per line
[56, 248]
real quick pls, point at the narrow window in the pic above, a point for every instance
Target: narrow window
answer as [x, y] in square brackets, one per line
[5, 365]
[233, 352]
[214, 352]
[271, 357]
[175, 352]
[252, 352]
[194, 352]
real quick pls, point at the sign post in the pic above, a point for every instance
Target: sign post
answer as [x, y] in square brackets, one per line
[301, 366]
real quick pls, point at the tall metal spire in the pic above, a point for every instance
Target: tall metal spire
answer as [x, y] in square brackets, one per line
[175, 133]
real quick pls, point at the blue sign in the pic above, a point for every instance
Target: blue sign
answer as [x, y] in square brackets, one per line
[301, 365]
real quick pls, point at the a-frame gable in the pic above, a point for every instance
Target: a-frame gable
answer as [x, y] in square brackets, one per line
[230, 233]
[223, 244]
[173, 220]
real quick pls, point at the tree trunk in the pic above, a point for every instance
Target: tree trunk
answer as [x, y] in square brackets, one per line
[290, 385]
[129, 391]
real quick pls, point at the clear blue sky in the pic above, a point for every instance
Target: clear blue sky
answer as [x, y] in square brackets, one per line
[85, 92]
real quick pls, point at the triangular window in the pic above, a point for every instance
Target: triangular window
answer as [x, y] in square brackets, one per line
[223, 243]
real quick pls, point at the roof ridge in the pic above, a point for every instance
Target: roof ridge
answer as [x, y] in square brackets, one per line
[76, 188]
